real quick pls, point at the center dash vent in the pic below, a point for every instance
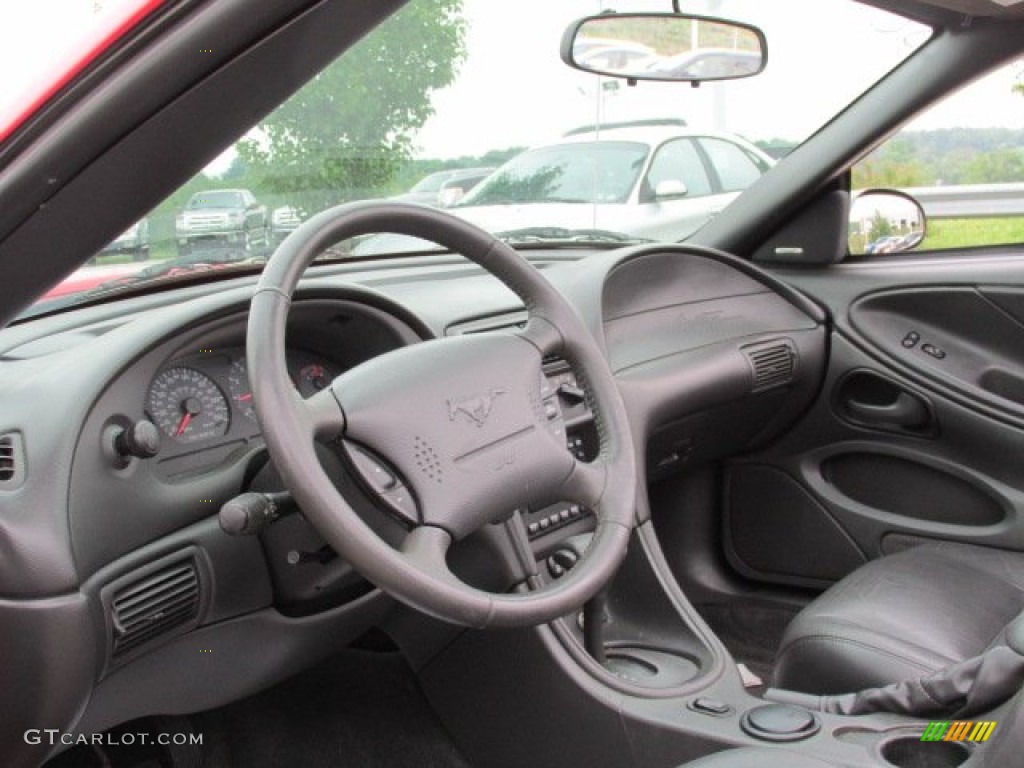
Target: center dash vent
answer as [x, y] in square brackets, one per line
[161, 600]
[773, 364]
[513, 321]
[12, 460]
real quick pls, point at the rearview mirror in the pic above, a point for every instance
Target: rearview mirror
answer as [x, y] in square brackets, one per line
[664, 46]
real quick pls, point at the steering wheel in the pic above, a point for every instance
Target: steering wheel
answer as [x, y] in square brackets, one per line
[466, 422]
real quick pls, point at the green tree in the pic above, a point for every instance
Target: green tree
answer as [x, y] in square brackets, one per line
[880, 226]
[885, 172]
[348, 131]
[1002, 165]
[238, 169]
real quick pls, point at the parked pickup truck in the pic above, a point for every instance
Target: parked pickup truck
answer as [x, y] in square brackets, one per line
[228, 221]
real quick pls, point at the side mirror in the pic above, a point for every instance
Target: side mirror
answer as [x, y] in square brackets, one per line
[670, 47]
[885, 221]
[670, 188]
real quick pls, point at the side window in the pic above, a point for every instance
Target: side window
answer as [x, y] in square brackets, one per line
[963, 161]
[677, 160]
[731, 162]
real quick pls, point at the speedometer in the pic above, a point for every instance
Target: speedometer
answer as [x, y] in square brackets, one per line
[187, 405]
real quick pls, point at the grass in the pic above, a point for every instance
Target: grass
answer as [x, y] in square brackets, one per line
[953, 234]
[944, 234]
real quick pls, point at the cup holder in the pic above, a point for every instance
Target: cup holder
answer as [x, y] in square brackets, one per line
[911, 752]
[650, 668]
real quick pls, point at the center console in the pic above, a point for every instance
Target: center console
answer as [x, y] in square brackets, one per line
[636, 677]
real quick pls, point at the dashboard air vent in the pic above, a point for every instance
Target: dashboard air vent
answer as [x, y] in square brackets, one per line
[149, 606]
[511, 322]
[12, 460]
[515, 321]
[773, 364]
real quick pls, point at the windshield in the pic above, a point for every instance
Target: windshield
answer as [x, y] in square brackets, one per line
[450, 85]
[432, 183]
[215, 200]
[591, 172]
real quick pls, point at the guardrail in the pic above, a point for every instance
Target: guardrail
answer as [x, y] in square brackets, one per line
[970, 201]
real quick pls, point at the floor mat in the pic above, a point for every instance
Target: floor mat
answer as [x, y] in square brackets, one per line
[751, 630]
[360, 709]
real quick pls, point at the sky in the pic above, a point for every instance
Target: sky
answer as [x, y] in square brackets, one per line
[513, 62]
[513, 90]
[38, 36]
[513, 73]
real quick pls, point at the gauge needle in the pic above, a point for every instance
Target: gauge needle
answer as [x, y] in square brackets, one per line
[183, 424]
[245, 398]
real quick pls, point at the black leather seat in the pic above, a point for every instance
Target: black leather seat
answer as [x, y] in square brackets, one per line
[902, 617]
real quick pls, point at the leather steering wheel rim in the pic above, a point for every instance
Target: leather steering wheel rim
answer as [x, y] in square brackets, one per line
[465, 487]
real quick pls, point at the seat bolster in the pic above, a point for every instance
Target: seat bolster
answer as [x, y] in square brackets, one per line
[901, 617]
[823, 656]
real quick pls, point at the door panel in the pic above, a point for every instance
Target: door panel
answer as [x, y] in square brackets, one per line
[903, 444]
[961, 337]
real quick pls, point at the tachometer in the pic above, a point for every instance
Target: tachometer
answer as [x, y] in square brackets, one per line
[312, 378]
[187, 405]
[241, 391]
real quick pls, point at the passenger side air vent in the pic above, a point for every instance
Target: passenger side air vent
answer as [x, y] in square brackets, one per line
[773, 364]
[156, 602]
[12, 460]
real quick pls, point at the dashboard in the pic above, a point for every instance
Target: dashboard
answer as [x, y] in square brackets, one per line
[194, 387]
[711, 355]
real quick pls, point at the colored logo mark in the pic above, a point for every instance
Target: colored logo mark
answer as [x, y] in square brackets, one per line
[959, 730]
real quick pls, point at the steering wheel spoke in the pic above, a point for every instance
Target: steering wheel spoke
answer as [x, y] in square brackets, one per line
[588, 482]
[426, 547]
[324, 415]
[543, 335]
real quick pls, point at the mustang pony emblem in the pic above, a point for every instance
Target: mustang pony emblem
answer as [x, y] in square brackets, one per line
[477, 408]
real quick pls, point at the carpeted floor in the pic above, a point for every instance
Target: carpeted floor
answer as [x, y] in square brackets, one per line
[359, 709]
[750, 629]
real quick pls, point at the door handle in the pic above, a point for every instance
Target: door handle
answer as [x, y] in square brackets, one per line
[905, 411]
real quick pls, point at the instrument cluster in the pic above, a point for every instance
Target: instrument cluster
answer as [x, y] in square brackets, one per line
[206, 396]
